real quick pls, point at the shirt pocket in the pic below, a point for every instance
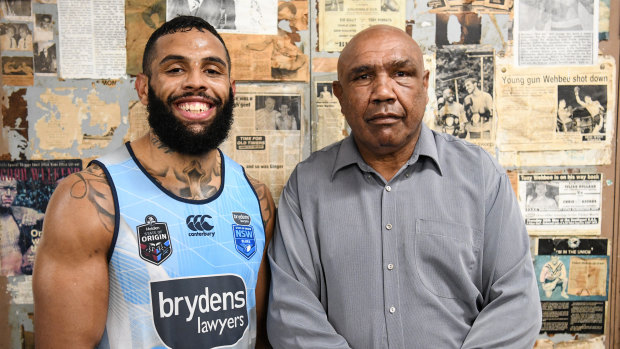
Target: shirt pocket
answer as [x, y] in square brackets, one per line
[445, 255]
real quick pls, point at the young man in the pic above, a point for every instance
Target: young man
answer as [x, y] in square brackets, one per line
[161, 242]
[398, 236]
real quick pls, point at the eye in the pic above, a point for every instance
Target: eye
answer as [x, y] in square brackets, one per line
[212, 71]
[174, 70]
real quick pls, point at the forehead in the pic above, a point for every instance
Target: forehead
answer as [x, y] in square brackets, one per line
[380, 47]
[193, 44]
[5, 182]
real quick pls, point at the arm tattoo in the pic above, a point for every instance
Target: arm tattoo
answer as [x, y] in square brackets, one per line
[90, 187]
[267, 208]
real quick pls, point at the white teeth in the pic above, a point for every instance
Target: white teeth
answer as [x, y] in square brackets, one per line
[194, 107]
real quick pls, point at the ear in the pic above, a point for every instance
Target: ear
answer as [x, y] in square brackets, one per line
[234, 88]
[425, 79]
[337, 88]
[142, 87]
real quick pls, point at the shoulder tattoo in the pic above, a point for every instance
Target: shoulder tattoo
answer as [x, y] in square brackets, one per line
[92, 185]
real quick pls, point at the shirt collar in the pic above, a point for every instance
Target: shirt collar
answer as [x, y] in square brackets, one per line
[425, 147]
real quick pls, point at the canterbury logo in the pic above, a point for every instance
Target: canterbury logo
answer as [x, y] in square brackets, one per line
[198, 222]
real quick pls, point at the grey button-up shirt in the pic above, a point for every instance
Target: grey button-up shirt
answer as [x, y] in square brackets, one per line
[438, 257]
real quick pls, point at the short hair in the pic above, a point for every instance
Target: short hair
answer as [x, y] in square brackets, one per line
[472, 80]
[175, 25]
[43, 17]
[289, 5]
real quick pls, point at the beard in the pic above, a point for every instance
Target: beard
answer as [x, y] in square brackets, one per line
[177, 136]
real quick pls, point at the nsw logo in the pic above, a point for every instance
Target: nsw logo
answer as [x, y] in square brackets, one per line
[245, 243]
[154, 239]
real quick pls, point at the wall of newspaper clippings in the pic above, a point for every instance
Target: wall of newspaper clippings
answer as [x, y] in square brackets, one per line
[534, 83]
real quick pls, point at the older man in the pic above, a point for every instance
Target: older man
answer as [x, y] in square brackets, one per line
[397, 236]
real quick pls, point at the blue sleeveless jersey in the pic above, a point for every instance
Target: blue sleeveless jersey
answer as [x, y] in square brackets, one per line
[182, 272]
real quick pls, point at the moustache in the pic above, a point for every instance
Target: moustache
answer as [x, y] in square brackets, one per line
[217, 102]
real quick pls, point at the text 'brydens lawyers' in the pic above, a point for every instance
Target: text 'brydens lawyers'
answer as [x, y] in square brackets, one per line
[204, 303]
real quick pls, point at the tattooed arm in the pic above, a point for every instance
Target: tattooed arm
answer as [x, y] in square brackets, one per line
[268, 210]
[70, 280]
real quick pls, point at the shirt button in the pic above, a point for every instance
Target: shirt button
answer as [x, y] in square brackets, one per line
[392, 310]
[390, 266]
[388, 226]
[388, 188]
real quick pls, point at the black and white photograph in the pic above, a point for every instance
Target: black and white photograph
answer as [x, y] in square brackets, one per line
[556, 15]
[464, 84]
[43, 28]
[541, 196]
[45, 58]
[324, 92]
[220, 14]
[463, 28]
[15, 37]
[390, 5]
[277, 112]
[24, 37]
[581, 108]
[334, 5]
[17, 66]
[8, 37]
[16, 9]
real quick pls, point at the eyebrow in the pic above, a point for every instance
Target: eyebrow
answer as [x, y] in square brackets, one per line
[210, 59]
[395, 63]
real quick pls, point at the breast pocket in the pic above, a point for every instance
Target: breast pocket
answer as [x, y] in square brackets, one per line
[445, 256]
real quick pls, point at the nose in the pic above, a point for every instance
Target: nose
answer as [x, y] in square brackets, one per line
[195, 79]
[382, 89]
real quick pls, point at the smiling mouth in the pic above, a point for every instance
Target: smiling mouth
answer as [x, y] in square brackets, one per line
[194, 107]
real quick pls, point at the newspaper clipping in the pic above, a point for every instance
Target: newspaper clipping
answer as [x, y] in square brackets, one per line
[556, 32]
[545, 109]
[560, 204]
[282, 56]
[340, 20]
[573, 284]
[330, 125]
[92, 39]
[477, 6]
[267, 134]
[464, 92]
[232, 16]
